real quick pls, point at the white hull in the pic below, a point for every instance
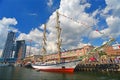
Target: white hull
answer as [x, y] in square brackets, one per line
[58, 67]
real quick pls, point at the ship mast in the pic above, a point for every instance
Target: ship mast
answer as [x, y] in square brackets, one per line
[44, 43]
[59, 40]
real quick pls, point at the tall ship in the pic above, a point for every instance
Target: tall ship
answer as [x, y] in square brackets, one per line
[53, 66]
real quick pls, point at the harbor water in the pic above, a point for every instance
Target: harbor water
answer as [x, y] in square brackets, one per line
[20, 73]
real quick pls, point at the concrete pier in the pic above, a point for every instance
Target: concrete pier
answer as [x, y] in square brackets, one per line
[97, 67]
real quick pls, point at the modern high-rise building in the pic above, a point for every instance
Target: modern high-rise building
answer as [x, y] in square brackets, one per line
[20, 50]
[9, 45]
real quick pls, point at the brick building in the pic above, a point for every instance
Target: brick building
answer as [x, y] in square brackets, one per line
[111, 51]
[70, 54]
[75, 54]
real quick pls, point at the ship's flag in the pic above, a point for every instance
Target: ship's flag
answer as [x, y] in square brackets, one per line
[119, 46]
[97, 30]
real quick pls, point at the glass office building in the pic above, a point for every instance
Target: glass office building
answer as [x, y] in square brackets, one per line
[9, 46]
[20, 50]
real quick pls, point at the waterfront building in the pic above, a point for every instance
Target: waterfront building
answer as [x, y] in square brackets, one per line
[20, 49]
[74, 54]
[35, 58]
[112, 51]
[70, 55]
[9, 46]
[66, 56]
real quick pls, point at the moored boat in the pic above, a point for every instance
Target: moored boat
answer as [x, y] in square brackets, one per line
[4, 64]
[57, 67]
[28, 65]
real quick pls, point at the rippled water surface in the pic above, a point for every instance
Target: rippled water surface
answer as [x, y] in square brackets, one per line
[19, 73]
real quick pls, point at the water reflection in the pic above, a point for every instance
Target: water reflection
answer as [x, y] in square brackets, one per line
[18, 73]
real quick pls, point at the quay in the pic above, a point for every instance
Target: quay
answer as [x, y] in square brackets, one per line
[92, 67]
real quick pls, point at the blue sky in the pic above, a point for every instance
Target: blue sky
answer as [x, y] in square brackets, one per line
[26, 18]
[28, 13]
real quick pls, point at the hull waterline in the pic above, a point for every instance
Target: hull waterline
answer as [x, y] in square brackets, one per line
[67, 70]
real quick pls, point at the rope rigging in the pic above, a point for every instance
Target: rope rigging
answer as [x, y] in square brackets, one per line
[111, 39]
[86, 25]
[78, 22]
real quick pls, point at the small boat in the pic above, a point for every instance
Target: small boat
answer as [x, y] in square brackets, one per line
[4, 64]
[28, 65]
[17, 64]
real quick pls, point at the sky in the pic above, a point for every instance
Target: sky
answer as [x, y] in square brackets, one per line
[83, 22]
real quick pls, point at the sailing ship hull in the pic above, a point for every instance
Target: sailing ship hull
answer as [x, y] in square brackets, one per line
[58, 67]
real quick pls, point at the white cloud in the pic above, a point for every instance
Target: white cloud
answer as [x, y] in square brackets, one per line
[30, 50]
[34, 38]
[114, 6]
[80, 45]
[114, 25]
[50, 3]
[72, 32]
[51, 47]
[111, 13]
[112, 18]
[8, 21]
[35, 35]
[6, 24]
[95, 34]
